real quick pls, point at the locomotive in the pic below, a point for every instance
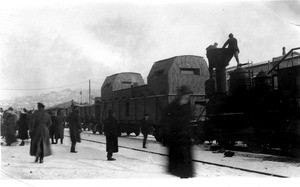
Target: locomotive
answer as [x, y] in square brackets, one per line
[262, 111]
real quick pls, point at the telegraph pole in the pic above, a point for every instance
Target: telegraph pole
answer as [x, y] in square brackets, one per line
[80, 96]
[89, 91]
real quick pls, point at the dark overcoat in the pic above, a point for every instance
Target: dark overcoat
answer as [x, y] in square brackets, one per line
[23, 127]
[2, 124]
[146, 126]
[60, 120]
[53, 128]
[39, 125]
[111, 133]
[178, 135]
[74, 126]
[10, 121]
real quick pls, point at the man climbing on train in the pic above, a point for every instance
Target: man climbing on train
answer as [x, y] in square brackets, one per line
[233, 46]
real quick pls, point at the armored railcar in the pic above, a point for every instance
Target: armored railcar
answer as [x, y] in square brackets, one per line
[128, 96]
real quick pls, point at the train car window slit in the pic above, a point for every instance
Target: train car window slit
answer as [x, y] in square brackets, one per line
[189, 71]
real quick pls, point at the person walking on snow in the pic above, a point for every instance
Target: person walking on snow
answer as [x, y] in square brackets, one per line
[39, 127]
[111, 133]
[75, 128]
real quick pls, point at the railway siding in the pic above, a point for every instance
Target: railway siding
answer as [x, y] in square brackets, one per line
[277, 166]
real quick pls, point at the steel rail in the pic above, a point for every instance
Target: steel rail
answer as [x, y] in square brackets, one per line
[194, 160]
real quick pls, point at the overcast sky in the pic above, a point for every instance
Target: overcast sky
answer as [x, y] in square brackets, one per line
[49, 45]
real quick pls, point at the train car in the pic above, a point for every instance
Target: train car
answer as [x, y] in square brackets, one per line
[131, 99]
[262, 111]
[65, 107]
[87, 116]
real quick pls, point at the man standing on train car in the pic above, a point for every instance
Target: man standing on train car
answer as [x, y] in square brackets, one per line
[75, 128]
[111, 133]
[146, 124]
[178, 134]
[233, 46]
[210, 69]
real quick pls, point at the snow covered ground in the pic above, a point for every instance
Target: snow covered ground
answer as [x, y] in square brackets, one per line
[259, 162]
[90, 162]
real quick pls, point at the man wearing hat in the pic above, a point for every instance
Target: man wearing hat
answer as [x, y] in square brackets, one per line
[23, 127]
[75, 128]
[39, 128]
[146, 125]
[10, 121]
[178, 134]
[111, 133]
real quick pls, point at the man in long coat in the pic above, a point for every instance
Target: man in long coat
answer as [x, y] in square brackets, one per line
[146, 125]
[75, 128]
[53, 129]
[39, 127]
[2, 123]
[23, 127]
[10, 121]
[178, 135]
[60, 122]
[29, 118]
[111, 133]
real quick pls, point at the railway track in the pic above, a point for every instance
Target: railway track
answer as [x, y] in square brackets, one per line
[194, 160]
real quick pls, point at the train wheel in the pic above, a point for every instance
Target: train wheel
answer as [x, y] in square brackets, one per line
[295, 152]
[286, 147]
[254, 143]
[226, 144]
[158, 138]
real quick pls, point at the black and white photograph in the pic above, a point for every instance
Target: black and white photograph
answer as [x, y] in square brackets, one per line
[158, 93]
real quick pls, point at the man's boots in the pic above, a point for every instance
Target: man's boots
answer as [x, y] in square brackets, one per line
[22, 143]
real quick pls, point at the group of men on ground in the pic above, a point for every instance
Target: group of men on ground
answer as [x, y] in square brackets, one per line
[177, 134]
[10, 122]
[43, 126]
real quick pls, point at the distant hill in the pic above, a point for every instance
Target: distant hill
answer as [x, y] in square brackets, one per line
[50, 99]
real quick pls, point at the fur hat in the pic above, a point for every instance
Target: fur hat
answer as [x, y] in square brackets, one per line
[41, 105]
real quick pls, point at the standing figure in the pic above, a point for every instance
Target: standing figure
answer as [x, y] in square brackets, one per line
[39, 127]
[178, 135]
[75, 128]
[111, 133]
[145, 127]
[23, 127]
[29, 118]
[2, 123]
[60, 124]
[212, 46]
[53, 129]
[233, 46]
[210, 68]
[10, 120]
